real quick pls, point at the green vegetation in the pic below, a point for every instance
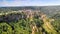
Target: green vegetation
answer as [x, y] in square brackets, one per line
[56, 23]
[20, 23]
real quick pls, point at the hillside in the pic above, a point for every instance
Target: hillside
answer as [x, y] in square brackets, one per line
[30, 20]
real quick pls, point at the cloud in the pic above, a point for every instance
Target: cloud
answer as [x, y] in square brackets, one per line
[18, 3]
[29, 2]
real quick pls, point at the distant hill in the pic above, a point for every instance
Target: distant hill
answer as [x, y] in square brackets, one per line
[18, 8]
[49, 10]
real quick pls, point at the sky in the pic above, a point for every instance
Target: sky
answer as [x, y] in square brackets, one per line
[29, 2]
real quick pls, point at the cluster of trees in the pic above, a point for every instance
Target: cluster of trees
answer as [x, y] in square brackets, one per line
[23, 23]
[17, 23]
